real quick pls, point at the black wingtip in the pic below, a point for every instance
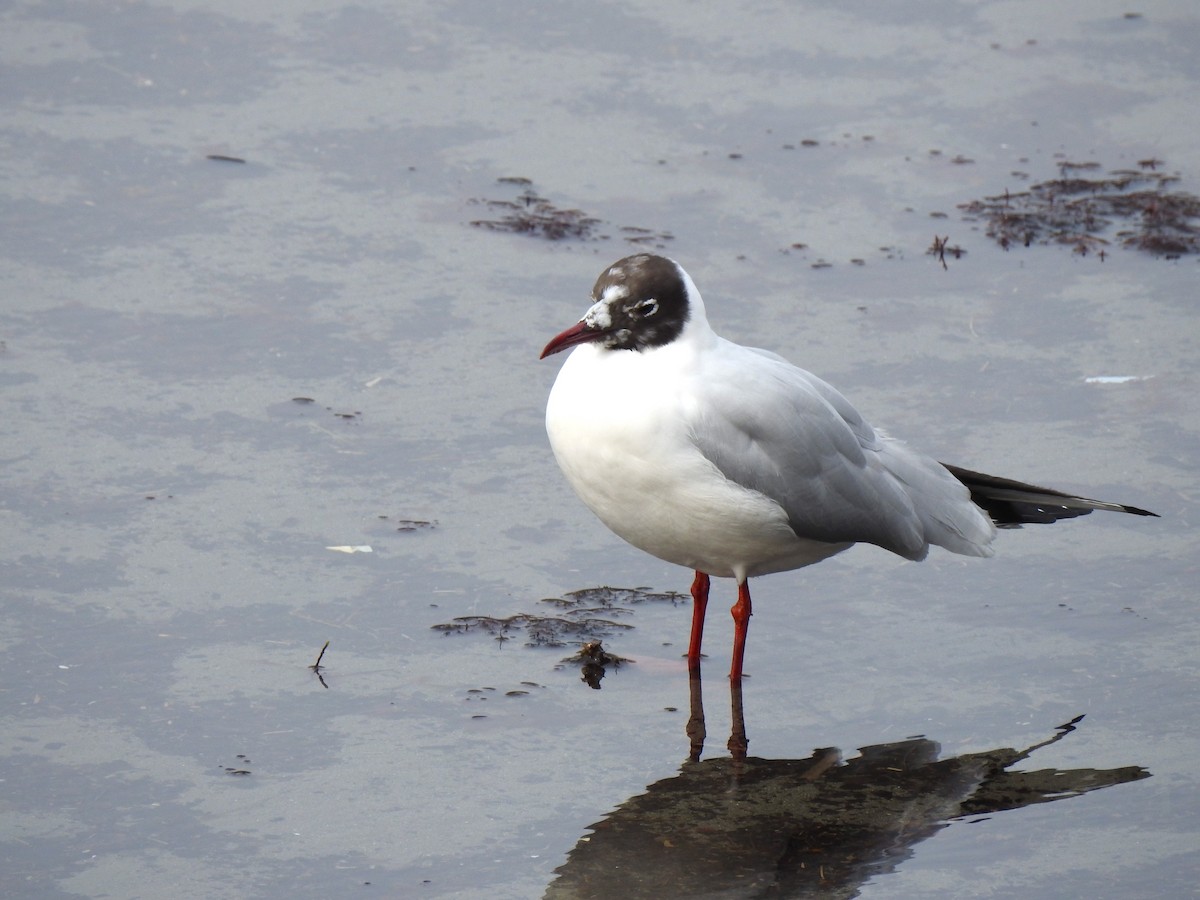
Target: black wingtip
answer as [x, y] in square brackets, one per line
[1135, 511]
[1012, 503]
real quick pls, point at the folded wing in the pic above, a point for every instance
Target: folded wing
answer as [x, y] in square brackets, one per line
[804, 446]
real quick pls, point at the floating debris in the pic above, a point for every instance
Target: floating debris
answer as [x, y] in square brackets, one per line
[593, 661]
[410, 525]
[316, 668]
[413, 525]
[594, 652]
[635, 235]
[481, 694]
[1076, 211]
[238, 769]
[940, 248]
[532, 214]
[609, 597]
[353, 548]
[538, 217]
[288, 409]
[581, 616]
[539, 631]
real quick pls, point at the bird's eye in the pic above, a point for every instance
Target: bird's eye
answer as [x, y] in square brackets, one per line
[645, 308]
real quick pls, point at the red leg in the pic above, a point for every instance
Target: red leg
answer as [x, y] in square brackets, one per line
[699, 605]
[741, 624]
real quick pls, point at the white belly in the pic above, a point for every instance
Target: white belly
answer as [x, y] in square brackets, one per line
[636, 467]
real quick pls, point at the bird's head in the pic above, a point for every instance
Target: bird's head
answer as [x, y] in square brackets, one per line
[638, 302]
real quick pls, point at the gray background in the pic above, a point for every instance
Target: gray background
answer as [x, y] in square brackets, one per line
[166, 508]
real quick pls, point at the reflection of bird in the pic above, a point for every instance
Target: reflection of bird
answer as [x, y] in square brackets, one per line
[733, 462]
[803, 827]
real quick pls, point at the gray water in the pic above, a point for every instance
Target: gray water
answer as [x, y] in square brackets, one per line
[169, 506]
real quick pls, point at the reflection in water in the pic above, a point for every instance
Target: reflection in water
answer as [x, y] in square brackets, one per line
[746, 827]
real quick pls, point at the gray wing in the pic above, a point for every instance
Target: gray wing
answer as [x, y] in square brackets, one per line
[779, 430]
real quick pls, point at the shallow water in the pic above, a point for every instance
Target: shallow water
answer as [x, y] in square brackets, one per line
[168, 504]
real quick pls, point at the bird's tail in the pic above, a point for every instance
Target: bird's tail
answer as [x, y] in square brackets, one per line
[1012, 504]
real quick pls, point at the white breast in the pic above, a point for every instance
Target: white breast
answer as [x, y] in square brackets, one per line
[618, 423]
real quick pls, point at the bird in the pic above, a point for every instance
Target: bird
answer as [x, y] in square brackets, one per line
[733, 462]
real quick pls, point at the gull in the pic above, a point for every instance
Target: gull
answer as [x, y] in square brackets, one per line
[734, 463]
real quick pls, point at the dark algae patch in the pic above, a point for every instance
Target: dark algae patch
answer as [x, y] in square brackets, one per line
[578, 617]
[531, 214]
[538, 631]
[1090, 212]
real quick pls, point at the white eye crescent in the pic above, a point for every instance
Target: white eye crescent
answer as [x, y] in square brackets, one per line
[646, 308]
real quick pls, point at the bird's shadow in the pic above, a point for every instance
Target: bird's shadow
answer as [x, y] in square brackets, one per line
[742, 826]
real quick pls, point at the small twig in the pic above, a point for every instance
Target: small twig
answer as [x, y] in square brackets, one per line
[938, 249]
[316, 667]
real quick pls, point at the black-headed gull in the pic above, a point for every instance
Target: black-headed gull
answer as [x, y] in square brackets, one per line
[733, 462]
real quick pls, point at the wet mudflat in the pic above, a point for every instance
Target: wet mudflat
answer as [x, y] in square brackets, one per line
[251, 407]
